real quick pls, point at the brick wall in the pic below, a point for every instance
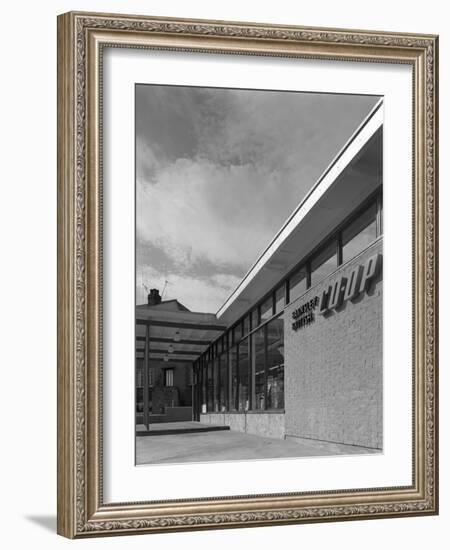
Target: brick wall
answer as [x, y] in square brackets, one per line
[163, 397]
[333, 366]
[181, 380]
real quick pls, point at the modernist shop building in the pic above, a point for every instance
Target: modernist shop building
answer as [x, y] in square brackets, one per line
[296, 350]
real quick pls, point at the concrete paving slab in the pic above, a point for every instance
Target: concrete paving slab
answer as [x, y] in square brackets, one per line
[231, 445]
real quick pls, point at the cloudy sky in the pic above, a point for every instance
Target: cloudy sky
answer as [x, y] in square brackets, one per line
[218, 171]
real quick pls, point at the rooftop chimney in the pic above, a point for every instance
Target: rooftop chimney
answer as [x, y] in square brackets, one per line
[153, 297]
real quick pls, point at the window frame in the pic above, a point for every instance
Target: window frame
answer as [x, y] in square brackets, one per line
[234, 335]
[168, 370]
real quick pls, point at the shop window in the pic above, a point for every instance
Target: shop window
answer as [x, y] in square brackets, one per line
[223, 397]
[204, 381]
[237, 332]
[243, 385]
[234, 378]
[217, 381]
[210, 386]
[168, 377]
[259, 368]
[254, 318]
[246, 326]
[324, 262]
[298, 283]
[280, 301]
[275, 364]
[229, 339]
[359, 234]
[266, 309]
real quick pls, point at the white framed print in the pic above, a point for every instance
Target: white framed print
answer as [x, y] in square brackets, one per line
[247, 274]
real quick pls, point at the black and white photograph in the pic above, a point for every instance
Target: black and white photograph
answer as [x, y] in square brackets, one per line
[247, 282]
[258, 274]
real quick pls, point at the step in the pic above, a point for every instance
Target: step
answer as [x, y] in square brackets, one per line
[174, 431]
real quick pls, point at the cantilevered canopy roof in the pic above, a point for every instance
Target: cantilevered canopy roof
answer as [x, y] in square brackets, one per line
[353, 175]
[180, 334]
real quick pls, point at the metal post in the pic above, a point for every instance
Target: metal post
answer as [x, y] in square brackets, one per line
[253, 337]
[251, 383]
[146, 381]
[192, 393]
[230, 372]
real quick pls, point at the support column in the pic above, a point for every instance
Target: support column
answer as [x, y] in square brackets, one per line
[252, 363]
[230, 379]
[250, 374]
[145, 372]
[193, 390]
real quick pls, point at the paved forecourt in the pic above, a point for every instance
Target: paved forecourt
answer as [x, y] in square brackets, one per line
[230, 445]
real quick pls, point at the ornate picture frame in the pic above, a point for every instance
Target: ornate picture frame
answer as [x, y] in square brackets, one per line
[82, 40]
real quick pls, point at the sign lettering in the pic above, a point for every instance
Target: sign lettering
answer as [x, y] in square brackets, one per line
[343, 289]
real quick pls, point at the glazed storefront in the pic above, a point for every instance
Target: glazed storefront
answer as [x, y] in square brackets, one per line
[302, 354]
[306, 360]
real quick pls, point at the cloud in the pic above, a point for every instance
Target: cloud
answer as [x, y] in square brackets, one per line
[195, 293]
[218, 173]
[200, 211]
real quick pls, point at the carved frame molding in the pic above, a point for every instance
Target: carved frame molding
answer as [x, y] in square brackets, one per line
[81, 38]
